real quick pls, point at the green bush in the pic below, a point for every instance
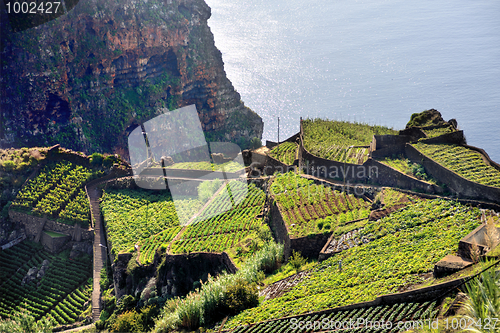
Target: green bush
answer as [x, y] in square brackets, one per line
[9, 166]
[297, 261]
[320, 224]
[126, 303]
[239, 296]
[255, 143]
[127, 322]
[265, 234]
[108, 161]
[96, 159]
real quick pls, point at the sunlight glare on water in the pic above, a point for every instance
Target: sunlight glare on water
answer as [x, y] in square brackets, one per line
[375, 62]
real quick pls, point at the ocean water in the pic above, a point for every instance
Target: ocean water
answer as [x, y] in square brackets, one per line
[367, 61]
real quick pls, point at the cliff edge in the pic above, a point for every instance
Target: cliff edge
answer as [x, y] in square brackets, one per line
[88, 78]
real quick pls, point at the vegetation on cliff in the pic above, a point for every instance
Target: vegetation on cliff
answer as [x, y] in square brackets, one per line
[338, 140]
[106, 67]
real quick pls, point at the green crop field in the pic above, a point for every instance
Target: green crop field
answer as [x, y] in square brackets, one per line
[150, 220]
[439, 131]
[285, 152]
[60, 293]
[132, 216]
[58, 192]
[404, 165]
[227, 220]
[310, 209]
[402, 245]
[332, 139]
[463, 161]
[378, 316]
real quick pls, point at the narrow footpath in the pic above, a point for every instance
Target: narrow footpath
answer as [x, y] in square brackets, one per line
[99, 251]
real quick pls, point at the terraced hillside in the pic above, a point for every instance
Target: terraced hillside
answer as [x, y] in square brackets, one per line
[464, 161]
[310, 209]
[133, 216]
[401, 246]
[60, 291]
[151, 220]
[333, 139]
[383, 318]
[215, 232]
[58, 192]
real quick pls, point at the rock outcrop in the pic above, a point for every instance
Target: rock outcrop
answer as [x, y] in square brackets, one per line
[88, 78]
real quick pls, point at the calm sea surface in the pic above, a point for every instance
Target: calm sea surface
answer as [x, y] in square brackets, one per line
[368, 61]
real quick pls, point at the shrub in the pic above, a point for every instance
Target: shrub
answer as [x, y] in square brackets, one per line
[190, 312]
[240, 296]
[96, 159]
[126, 303]
[109, 160]
[255, 143]
[129, 321]
[9, 166]
[297, 261]
[265, 234]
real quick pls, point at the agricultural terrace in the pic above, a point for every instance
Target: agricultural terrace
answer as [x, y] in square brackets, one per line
[407, 167]
[311, 209]
[61, 293]
[230, 218]
[58, 192]
[150, 220]
[432, 133]
[330, 139]
[463, 161]
[401, 246]
[285, 152]
[133, 216]
[231, 166]
[400, 312]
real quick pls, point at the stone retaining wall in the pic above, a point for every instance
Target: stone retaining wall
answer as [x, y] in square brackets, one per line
[388, 145]
[370, 172]
[279, 229]
[461, 187]
[457, 138]
[32, 224]
[309, 246]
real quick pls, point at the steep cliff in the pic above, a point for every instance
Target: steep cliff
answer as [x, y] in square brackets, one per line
[87, 78]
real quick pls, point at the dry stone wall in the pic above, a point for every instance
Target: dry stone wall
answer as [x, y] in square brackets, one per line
[459, 185]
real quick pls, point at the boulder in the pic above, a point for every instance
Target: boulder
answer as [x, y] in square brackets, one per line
[30, 276]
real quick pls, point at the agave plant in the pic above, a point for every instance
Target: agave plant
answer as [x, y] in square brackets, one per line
[483, 302]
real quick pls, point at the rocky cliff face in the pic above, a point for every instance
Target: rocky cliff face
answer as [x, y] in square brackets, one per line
[88, 78]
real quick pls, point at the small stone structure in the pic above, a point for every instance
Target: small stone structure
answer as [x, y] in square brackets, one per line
[449, 265]
[470, 249]
[53, 242]
[477, 240]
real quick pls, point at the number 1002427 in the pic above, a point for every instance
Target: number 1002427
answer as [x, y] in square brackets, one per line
[486, 324]
[47, 7]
